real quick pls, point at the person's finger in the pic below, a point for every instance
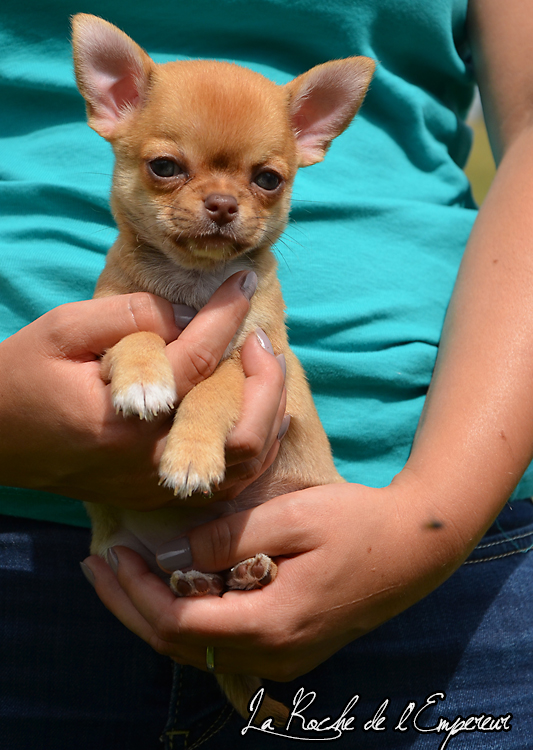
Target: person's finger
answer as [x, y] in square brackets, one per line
[162, 628]
[197, 351]
[237, 479]
[260, 421]
[281, 525]
[183, 628]
[117, 601]
[148, 607]
[146, 604]
[241, 475]
[84, 330]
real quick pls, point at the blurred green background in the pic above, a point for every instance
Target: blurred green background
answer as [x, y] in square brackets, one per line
[480, 168]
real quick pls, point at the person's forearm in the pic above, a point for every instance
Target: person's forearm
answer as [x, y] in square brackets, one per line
[475, 438]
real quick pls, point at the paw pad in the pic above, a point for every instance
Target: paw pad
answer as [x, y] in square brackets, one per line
[253, 573]
[194, 583]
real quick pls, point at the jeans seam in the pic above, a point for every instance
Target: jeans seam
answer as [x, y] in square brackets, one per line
[507, 539]
[213, 729]
[498, 557]
[175, 701]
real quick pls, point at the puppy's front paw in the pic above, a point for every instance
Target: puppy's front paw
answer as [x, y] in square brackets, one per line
[142, 382]
[194, 583]
[188, 466]
[253, 573]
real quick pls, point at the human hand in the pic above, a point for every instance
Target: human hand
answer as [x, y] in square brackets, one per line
[349, 558]
[58, 429]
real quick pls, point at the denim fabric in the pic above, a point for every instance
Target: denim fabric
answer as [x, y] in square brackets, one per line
[73, 677]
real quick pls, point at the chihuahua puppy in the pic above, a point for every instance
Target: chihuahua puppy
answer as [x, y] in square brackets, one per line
[206, 154]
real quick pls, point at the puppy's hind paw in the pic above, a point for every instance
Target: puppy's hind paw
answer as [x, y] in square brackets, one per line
[145, 400]
[253, 573]
[194, 583]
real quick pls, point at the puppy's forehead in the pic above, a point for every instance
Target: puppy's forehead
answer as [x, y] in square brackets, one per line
[220, 109]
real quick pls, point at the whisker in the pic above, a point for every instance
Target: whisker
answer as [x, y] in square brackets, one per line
[102, 174]
[305, 200]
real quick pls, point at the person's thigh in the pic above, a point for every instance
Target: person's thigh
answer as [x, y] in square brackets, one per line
[71, 675]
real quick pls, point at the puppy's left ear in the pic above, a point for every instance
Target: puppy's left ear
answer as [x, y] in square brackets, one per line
[323, 102]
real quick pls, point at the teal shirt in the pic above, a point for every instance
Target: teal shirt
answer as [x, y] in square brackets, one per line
[377, 231]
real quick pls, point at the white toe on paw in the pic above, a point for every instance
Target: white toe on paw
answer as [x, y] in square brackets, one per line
[188, 482]
[189, 469]
[145, 400]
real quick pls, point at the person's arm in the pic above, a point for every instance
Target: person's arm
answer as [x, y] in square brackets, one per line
[475, 437]
[58, 429]
[359, 556]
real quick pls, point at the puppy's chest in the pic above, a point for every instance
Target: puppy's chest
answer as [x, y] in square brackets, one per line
[182, 286]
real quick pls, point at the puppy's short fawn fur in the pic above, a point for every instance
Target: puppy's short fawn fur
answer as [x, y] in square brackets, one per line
[206, 153]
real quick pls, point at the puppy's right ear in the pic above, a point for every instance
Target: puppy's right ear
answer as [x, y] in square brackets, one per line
[112, 72]
[323, 102]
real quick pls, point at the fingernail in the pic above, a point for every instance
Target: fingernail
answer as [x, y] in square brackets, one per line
[87, 572]
[284, 426]
[174, 555]
[112, 559]
[183, 314]
[264, 340]
[282, 364]
[249, 284]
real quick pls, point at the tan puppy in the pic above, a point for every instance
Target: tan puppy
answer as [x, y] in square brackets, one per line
[206, 154]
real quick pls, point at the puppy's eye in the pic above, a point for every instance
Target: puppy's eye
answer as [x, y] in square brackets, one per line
[268, 180]
[165, 168]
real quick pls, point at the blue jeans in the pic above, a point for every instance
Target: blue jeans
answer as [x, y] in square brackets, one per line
[454, 671]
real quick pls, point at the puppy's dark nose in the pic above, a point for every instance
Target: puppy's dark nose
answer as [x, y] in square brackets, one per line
[221, 208]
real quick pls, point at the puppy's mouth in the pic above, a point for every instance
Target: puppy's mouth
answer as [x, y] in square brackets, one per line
[216, 244]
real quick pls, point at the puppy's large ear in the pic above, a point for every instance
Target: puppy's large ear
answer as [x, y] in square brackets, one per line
[112, 72]
[323, 102]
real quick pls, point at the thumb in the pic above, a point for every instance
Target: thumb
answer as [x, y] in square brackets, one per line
[86, 329]
[278, 527]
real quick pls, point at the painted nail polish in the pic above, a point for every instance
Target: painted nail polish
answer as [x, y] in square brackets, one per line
[112, 559]
[284, 426]
[249, 284]
[87, 572]
[282, 364]
[183, 314]
[174, 555]
[264, 340]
